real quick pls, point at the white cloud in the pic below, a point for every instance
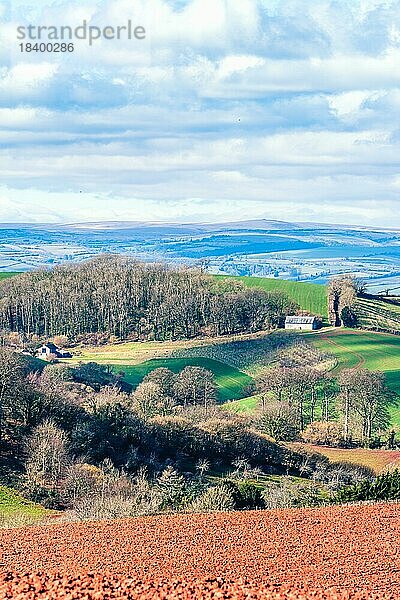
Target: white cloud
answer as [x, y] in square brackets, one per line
[250, 108]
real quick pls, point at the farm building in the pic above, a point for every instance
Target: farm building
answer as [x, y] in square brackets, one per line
[50, 350]
[299, 322]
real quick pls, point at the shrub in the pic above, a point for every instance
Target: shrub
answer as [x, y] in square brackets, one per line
[384, 487]
[250, 496]
[291, 494]
[326, 433]
[214, 499]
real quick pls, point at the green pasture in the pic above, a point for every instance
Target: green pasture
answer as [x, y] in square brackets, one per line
[311, 297]
[243, 405]
[231, 383]
[373, 351]
[4, 275]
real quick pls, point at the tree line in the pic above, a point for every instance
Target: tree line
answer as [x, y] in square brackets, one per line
[120, 296]
[320, 408]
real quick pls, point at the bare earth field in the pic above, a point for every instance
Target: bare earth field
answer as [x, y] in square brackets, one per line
[378, 460]
[347, 548]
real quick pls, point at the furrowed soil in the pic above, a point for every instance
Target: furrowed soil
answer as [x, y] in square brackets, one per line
[347, 548]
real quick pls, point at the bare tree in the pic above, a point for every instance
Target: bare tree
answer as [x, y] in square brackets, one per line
[47, 456]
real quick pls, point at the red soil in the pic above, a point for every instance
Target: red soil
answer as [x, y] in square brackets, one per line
[350, 548]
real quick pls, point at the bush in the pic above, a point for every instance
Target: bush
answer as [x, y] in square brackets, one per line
[324, 433]
[250, 496]
[214, 499]
[292, 494]
[338, 474]
[384, 487]
[349, 317]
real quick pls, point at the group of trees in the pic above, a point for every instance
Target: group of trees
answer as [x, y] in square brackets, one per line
[119, 296]
[167, 417]
[342, 295]
[77, 441]
[321, 408]
[161, 391]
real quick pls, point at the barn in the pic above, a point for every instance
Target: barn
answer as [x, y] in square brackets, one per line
[307, 323]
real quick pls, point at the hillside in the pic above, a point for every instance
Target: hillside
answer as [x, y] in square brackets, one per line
[379, 461]
[16, 510]
[348, 547]
[378, 312]
[374, 351]
[311, 297]
[231, 383]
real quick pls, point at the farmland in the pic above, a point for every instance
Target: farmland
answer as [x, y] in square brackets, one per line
[378, 312]
[240, 351]
[378, 460]
[345, 547]
[309, 296]
[374, 351]
[242, 405]
[231, 383]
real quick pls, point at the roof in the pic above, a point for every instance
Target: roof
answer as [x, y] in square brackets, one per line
[50, 345]
[300, 320]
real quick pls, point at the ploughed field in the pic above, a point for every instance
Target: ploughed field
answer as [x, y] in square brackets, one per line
[379, 461]
[348, 548]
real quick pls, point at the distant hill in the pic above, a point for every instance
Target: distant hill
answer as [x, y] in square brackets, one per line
[311, 297]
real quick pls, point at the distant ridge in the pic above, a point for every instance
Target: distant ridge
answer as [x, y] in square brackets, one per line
[247, 225]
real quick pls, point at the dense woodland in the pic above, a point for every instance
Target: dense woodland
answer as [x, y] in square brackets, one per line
[122, 297]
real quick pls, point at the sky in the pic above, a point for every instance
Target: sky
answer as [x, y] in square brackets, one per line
[229, 110]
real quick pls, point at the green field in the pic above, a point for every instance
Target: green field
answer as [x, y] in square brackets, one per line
[374, 351]
[378, 312]
[243, 405]
[309, 296]
[17, 511]
[231, 383]
[4, 275]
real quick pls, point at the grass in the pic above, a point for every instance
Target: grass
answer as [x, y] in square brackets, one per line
[15, 510]
[244, 405]
[373, 351]
[378, 460]
[311, 297]
[231, 383]
[4, 275]
[134, 353]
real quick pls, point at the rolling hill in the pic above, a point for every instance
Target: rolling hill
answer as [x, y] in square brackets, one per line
[378, 312]
[311, 297]
[374, 351]
[231, 383]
